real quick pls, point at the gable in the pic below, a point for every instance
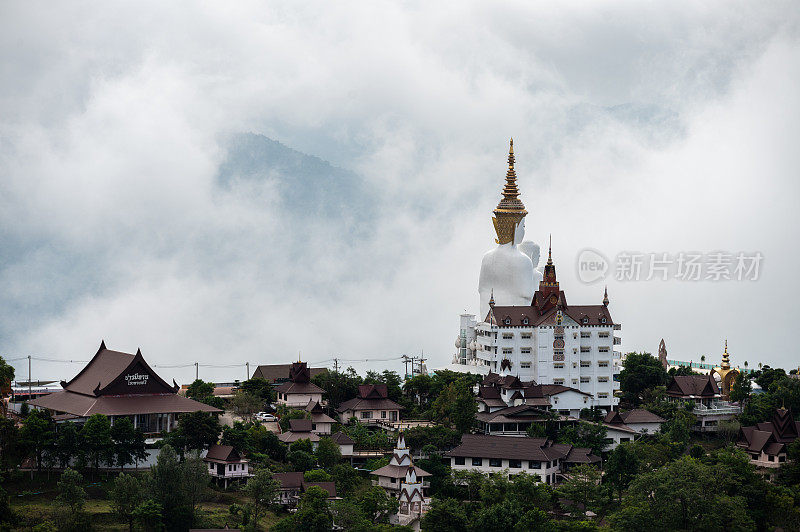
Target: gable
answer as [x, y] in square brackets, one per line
[137, 378]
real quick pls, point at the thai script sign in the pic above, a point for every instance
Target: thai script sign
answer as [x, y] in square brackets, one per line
[136, 379]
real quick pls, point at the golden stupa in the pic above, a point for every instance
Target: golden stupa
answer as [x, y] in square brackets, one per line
[727, 375]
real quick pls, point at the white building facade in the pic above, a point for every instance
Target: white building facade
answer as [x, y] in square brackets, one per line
[549, 342]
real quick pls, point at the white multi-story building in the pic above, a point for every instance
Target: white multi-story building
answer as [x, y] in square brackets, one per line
[548, 341]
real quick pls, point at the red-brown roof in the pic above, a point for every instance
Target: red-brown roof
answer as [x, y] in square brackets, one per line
[280, 372]
[693, 386]
[483, 446]
[300, 425]
[84, 406]
[515, 316]
[291, 480]
[340, 438]
[222, 453]
[329, 487]
[299, 388]
[640, 415]
[358, 403]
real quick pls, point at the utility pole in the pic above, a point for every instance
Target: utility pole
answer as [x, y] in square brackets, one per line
[336, 365]
[30, 391]
[196, 371]
[247, 377]
[405, 361]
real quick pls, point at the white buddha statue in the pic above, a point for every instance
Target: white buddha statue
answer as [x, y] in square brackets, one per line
[532, 250]
[507, 272]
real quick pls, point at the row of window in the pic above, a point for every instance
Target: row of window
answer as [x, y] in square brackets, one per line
[512, 464]
[584, 380]
[367, 414]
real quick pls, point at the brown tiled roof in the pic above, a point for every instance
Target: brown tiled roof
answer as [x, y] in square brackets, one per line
[329, 487]
[280, 372]
[300, 425]
[398, 471]
[299, 388]
[640, 415]
[516, 314]
[222, 453]
[358, 403]
[340, 438]
[488, 392]
[581, 455]
[292, 480]
[291, 437]
[693, 385]
[613, 418]
[83, 406]
[483, 446]
[513, 414]
[373, 391]
[555, 389]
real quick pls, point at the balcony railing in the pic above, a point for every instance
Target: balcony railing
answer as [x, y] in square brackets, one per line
[716, 408]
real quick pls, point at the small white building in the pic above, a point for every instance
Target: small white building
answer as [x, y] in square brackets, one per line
[225, 464]
[321, 423]
[300, 429]
[643, 421]
[299, 391]
[371, 407]
[344, 442]
[511, 456]
[709, 405]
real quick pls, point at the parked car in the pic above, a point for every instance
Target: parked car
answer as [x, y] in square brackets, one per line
[264, 416]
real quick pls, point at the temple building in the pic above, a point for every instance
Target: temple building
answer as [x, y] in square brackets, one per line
[390, 476]
[116, 385]
[530, 332]
[766, 442]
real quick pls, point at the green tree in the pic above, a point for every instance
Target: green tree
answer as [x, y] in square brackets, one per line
[199, 390]
[582, 489]
[677, 497]
[195, 431]
[641, 372]
[583, 434]
[37, 434]
[72, 495]
[169, 491]
[301, 460]
[445, 515]
[245, 404]
[125, 495]
[11, 446]
[194, 479]
[377, 505]
[260, 388]
[8, 519]
[328, 453]
[262, 490]
[741, 388]
[456, 405]
[6, 376]
[317, 475]
[150, 515]
[292, 414]
[96, 440]
[128, 442]
[67, 443]
[313, 514]
[621, 467]
[338, 386]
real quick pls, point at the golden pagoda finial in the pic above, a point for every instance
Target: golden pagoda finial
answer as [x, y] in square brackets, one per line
[726, 363]
[510, 211]
[550, 250]
[605, 297]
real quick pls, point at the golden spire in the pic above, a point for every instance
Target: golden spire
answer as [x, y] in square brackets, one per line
[550, 250]
[510, 211]
[726, 363]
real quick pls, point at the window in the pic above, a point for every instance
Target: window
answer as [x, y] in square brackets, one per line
[459, 460]
[603, 349]
[507, 350]
[392, 480]
[584, 380]
[585, 363]
[525, 365]
[533, 464]
[508, 336]
[495, 462]
[507, 321]
[477, 461]
[602, 395]
[602, 335]
[515, 464]
[602, 320]
[586, 335]
[602, 379]
[621, 440]
[558, 381]
[525, 336]
[525, 321]
[558, 351]
[603, 363]
[525, 350]
[366, 414]
[585, 349]
[558, 365]
[585, 320]
[383, 414]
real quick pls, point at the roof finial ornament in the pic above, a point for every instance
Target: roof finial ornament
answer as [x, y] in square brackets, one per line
[491, 299]
[550, 250]
[510, 211]
[605, 297]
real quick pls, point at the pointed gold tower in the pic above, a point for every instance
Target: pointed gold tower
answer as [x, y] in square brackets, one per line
[510, 211]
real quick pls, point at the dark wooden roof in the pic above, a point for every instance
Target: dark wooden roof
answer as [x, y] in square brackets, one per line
[508, 447]
[222, 453]
[276, 373]
[693, 385]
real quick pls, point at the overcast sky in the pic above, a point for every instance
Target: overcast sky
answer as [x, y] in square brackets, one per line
[638, 127]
